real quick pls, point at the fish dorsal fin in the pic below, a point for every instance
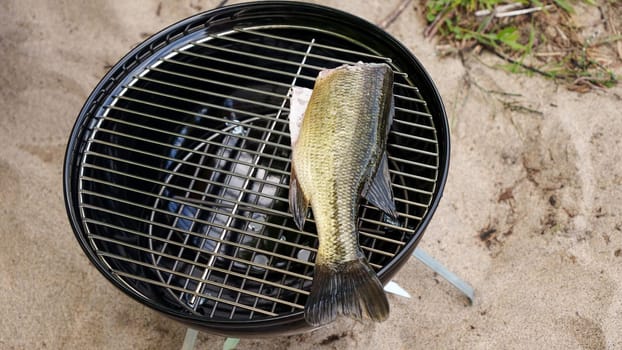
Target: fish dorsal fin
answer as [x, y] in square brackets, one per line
[378, 191]
[297, 107]
[298, 203]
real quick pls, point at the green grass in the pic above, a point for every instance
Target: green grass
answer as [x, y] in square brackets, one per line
[523, 40]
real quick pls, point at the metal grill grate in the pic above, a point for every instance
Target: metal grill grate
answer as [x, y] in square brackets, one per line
[183, 171]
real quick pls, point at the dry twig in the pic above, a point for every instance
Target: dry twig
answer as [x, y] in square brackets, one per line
[391, 17]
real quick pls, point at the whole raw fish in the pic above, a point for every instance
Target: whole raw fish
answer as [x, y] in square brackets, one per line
[338, 157]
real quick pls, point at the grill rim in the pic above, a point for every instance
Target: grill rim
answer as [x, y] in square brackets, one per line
[281, 324]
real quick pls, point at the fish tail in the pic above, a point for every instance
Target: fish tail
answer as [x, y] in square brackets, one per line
[349, 288]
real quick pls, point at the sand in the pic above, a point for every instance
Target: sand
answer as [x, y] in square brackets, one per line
[530, 216]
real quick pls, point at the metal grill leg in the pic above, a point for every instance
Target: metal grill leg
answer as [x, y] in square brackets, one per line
[230, 343]
[190, 339]
[430, 262]
[437, 267]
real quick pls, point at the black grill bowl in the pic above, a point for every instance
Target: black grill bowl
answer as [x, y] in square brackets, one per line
[177, 169]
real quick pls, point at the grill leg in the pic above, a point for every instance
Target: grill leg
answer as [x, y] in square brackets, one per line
[230, 343]
[435, 266]
[191, 339]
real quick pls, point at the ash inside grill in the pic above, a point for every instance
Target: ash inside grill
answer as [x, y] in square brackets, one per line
[183, 169]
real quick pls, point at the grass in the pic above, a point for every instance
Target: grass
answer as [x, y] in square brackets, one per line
[534, 36]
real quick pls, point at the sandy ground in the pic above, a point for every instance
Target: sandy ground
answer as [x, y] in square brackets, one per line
[530, 217]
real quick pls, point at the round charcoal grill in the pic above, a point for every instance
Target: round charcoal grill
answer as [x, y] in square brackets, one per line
[177, 169]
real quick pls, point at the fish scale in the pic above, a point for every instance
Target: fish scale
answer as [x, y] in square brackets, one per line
[338, 157]
[333, 201]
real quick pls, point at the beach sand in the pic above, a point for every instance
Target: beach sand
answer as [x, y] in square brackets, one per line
[531, 215]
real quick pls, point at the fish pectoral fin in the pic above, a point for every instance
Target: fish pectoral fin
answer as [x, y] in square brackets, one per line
[378, 191]
[298, 203]
[349, 288]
